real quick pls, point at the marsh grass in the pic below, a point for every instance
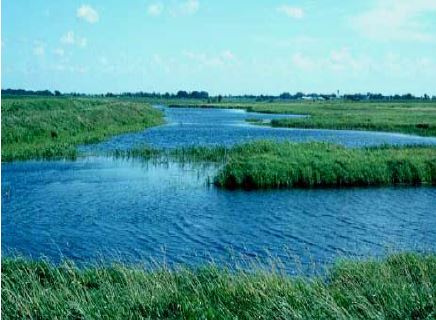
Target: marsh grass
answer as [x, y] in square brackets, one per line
[48, 128]
[401, 286]
[269, 164]
[266, 164]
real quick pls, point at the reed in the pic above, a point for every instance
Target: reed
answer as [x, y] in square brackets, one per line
[401, 286]
[53, 127]
[266, 164]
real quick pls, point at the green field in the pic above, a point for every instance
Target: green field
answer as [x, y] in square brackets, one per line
[404, 117]
[53, 127]
[403, 286]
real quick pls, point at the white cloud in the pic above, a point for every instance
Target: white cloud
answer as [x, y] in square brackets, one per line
[188, 7]
[341, 60]
[304, 62]
[38, 49]
[68, 38]
[292, 12]
[71, 39]
[399, 20]
[87, 13]
[155, 9]
[59, 52]
[224, 58]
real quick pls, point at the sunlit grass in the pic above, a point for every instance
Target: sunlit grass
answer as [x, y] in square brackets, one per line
[53, 127]
[399, 287]
[269, 164]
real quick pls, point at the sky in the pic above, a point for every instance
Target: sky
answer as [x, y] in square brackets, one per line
[223, 47]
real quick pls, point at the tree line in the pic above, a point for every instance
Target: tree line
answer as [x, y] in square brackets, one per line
[204, 95]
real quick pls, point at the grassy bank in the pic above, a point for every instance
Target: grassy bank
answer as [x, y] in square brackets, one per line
[287, 165]
[53, 127]
[268, 164]
[399, 287]
[405, 117]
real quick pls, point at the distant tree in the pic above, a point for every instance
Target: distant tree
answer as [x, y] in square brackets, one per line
[57, 93]
[285, 96]
[220, 98]
[182, 94]
[408, 96]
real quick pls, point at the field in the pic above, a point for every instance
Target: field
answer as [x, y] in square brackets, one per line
[399, 287]
[53, 127]
[404, 117]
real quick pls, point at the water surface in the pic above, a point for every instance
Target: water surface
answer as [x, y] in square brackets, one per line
[99, 207]
[190, 126]
[96, 207]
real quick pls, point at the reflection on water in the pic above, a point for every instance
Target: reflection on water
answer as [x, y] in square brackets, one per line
[99, 206]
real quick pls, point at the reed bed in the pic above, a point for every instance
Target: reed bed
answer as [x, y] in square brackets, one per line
[53, 127]
[401, 286]
[266, 164]
[269, 164]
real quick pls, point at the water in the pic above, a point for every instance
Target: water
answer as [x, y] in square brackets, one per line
[98, 207]
[188, 127]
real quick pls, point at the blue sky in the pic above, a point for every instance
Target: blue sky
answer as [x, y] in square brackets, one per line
[226, 46]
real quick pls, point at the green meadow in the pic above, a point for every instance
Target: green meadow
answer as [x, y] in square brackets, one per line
[48, 127]
[402, 286]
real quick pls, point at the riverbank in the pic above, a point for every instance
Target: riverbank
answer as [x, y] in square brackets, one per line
[48, 127]
[401, 286]
[403, 117]
[268, 164]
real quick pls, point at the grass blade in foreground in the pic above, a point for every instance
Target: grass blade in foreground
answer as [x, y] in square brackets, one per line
[400, 287]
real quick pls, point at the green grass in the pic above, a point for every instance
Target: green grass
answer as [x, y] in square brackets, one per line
[267, 164]
[53, 127]
[405, 117]
[401, 286]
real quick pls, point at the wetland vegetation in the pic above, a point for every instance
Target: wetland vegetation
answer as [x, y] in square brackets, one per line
[307, 165]
[404, 117]
[268, 164]
[49, 127]
[402, 286]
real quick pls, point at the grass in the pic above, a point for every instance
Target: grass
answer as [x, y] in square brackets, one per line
[405, 117]
[46, 127]
[402, 286]
[267, 164]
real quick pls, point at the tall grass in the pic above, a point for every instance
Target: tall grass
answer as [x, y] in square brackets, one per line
[53, 127]
[267, 164]
[400, 287]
